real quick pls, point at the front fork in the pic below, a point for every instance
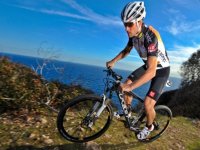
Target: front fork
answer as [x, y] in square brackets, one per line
[96, 110]
[103, 105]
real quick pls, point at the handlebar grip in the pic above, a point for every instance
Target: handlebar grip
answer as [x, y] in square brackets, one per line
[113, 74]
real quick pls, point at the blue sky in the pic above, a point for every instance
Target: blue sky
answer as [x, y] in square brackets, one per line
[91, 32]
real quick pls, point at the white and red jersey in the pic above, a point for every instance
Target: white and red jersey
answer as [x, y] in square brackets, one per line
[149, 43]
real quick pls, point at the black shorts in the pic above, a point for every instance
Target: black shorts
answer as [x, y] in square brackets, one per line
[157, 83]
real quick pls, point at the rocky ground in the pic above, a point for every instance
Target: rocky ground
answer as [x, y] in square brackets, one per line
[29, 131]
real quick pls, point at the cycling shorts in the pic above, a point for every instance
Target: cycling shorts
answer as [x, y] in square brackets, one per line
[157, 83]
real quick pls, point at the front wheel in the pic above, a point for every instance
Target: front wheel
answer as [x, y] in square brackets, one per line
[77, 121]
[161, 122]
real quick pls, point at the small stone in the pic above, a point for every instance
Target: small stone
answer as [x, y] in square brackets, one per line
[107, 136]
[32, 136]
[92, 146]
[126, 141]
[29, 118]
[43, 120]
[48, 141]
[45, 136]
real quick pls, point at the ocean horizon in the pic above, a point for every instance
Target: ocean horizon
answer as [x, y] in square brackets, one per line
[88, 76]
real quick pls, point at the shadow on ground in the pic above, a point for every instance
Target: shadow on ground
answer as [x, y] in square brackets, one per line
[78, 146]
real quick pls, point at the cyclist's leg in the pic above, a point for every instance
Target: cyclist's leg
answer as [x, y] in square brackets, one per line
[155, 90]
[131, 78]
[149, 104]
[127, 97]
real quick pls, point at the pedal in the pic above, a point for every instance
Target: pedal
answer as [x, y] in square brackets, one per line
[156, 126]
[135, 129]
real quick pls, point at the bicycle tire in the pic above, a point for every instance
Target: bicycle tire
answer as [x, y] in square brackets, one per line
[161, 122]
[78, 108]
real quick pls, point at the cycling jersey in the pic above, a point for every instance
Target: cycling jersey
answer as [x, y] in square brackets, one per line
[149, 43]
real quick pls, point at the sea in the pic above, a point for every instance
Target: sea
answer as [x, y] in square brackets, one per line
[88, 76]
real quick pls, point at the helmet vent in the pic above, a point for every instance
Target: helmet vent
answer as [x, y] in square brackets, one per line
[137, 8]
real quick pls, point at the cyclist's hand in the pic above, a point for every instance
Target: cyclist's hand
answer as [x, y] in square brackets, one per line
[110, 64]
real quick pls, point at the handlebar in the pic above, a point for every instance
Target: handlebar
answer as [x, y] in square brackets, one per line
[113, 74]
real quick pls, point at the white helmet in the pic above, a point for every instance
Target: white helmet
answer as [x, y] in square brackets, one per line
[133, 12]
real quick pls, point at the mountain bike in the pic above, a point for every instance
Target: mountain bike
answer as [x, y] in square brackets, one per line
[87, 117]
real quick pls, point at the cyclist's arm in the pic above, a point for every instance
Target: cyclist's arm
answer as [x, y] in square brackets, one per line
[149, 73]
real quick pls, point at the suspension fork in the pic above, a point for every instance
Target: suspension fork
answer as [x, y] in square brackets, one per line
[98, 109]
[96, 105]
[103, 105]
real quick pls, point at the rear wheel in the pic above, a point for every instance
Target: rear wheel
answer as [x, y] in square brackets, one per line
[161, 122]
[77, 120]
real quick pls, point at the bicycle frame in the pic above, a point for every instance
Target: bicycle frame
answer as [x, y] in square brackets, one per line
[124, 107]
[120, 95]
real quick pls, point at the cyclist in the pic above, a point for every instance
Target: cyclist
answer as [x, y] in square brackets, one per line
[148, 43]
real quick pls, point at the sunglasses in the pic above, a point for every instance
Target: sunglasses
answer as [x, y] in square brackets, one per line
[128, 24]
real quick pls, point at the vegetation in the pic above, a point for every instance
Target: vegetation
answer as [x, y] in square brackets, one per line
[190, 70]
[185, 101]
[22, 88]
[27, 123]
